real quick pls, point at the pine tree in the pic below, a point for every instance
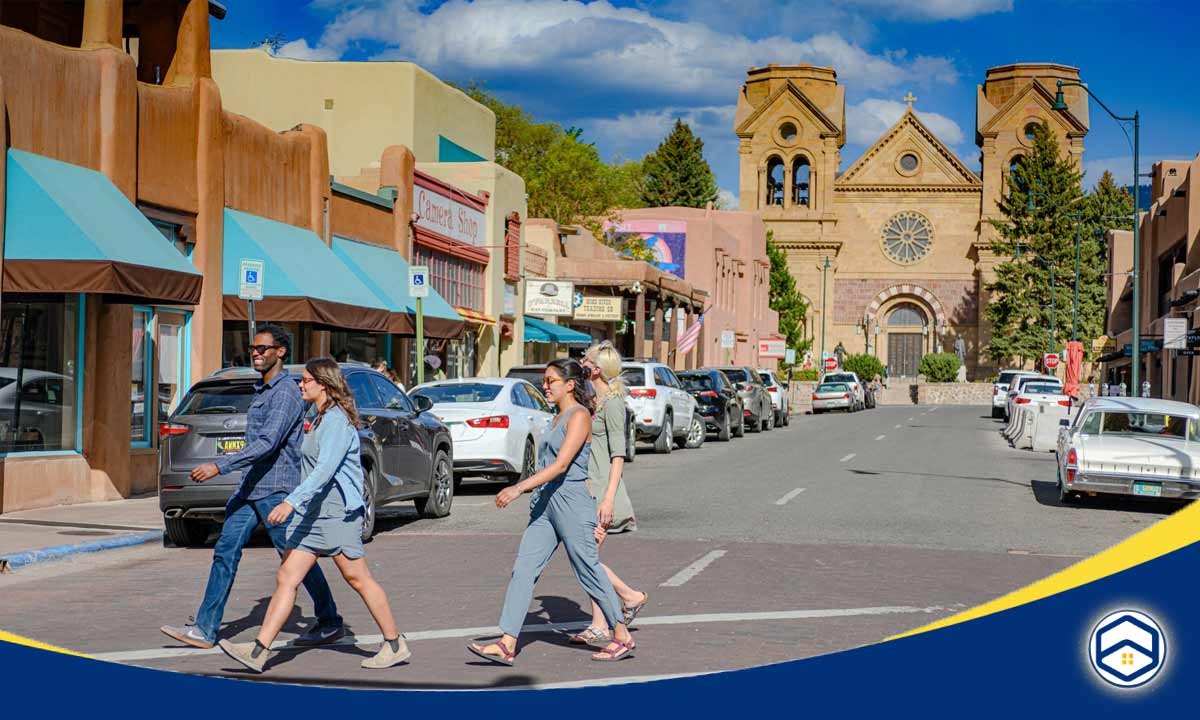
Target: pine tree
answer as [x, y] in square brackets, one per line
[785, 299]
[1107, 206]
[1036, 232]
[676, 173]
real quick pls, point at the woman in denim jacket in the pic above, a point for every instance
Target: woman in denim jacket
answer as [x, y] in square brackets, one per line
[326, 517]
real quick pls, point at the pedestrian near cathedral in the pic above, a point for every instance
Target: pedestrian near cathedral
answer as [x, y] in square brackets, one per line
[561, 512]
[614, 513]
[324, 518]
[271, 469]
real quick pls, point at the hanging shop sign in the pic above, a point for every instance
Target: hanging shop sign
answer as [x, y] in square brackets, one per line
[609, 309]
[448, 217]
[548, 297]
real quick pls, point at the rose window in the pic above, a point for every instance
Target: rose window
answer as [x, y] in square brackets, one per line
[907, 237]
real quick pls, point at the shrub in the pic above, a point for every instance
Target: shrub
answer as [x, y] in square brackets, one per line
[805, 375]
[940, 367]
[864, 365]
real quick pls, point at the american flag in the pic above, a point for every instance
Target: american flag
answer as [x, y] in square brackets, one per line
[688, 340]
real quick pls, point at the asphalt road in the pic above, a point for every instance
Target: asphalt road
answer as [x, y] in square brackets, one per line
[835, 532]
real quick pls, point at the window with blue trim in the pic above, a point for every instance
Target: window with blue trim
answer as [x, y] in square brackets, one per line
[41, 367]
[160, 369]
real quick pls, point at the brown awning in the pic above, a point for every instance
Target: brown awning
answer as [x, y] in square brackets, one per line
[118, 280]
[332, 315]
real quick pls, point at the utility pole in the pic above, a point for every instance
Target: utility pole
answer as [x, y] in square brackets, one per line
[824, 312]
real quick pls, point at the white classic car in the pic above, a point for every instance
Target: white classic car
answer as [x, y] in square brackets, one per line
[1130, 446]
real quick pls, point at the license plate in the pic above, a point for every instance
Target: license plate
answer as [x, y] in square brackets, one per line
[1152, 489]
[230, 446]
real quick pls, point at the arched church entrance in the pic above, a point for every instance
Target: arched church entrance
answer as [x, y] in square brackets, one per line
[907, 326]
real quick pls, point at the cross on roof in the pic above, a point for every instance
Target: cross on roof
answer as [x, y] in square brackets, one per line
[910, 99]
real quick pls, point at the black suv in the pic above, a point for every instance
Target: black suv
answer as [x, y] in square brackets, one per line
[717, 401]
[407, 453]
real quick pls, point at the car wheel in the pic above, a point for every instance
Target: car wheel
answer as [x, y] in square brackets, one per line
[183, 532]
[997, 413]
[630, 443]
[739, 425]
[369, 489]
[726, 430]
[768, 418]
[665, 441]
[754, 424]
[695, 435]
[1065, 496]
[528, 462]
[441, 489]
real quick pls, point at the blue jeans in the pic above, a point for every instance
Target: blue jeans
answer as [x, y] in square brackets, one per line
[241, 517]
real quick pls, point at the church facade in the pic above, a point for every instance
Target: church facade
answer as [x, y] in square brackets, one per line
[893, 254]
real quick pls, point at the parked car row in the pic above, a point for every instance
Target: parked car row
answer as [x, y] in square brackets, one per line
[420, 445]
[842, 390]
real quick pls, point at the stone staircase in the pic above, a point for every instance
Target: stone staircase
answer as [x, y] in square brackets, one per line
[898, 393]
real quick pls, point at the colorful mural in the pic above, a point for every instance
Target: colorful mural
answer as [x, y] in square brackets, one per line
[666, 239]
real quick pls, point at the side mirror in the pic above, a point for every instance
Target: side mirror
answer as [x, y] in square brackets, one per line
[422, 403]
[1063, 422]
[786, 386]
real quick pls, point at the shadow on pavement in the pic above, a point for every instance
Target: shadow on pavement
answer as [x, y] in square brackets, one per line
[1046, 493]
[508, 680]
[1005, 481]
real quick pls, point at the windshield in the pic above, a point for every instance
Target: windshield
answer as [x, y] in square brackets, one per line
[1043, 388]
[833, 388]
[460, 393]
[634, 377]
[1141, 424]
[1008, 376]
[233, 399]
[839, 377]
[737, 375]
[696, 382]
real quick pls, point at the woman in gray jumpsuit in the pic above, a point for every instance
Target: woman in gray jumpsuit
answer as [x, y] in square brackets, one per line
[561, 511]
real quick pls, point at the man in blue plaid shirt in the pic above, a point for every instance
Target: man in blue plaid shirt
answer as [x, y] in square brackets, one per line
[271, 469]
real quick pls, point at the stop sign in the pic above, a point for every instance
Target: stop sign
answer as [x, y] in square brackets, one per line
[830, 364]
[1050, 361]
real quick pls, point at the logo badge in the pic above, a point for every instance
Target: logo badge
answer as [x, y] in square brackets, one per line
[1127, 648]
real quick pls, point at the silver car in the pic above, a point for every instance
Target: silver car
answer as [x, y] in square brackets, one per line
[1130, 446]
[833, 396]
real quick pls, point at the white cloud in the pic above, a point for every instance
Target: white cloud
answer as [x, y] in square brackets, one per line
[1120, 167]
[300, 50]
[933, 10]
[726, 200]
[632, 135]
[871, 118]
[615, 49]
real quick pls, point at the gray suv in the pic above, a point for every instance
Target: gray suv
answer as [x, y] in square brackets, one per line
[407, 453]
[756, 401]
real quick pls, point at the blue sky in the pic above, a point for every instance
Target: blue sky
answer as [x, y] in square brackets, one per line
[623, 71]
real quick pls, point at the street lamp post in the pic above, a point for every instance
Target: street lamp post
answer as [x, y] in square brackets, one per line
[824, 274]
[1060, 104]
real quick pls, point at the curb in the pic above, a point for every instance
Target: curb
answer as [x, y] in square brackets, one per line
[57, 552]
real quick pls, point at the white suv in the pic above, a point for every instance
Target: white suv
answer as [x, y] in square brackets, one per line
[1000, 390]
[663, 410]
[779, 396]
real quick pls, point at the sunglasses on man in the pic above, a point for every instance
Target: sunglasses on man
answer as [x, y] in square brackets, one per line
[262, 349]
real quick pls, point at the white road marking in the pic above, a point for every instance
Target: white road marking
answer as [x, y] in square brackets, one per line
[911, 419]
[693, 570]
[897, 427]
[784, 500]
[848, 457]
[364, 641]
[880, 437]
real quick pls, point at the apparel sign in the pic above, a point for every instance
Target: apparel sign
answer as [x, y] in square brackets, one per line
[547, 297]
[772, 348]
[600, 308]
[445, 216]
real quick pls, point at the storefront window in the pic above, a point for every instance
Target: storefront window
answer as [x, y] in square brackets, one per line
[171, 360]
[459, 281]
[40, 366]
[235, 342]
[141, 413]
[360, 346]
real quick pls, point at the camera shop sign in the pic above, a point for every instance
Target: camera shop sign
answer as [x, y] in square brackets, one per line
[448, 217]
[546, 297]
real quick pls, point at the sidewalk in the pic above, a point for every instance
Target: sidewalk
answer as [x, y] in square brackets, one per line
[31, 536]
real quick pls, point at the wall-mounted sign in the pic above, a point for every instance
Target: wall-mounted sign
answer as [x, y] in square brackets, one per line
[446, 216]
[1175, 331]
[510, 300]
[728, 341]
[548, 297]
[600, 308]
[772, 348]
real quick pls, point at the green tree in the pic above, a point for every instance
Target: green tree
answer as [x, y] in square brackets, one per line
[785, 299]
[1106, 206]
[676, 174]
[1036, 231]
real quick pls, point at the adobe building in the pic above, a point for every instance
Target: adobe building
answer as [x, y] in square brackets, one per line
[892, 253]
[128, 198]
[1170, 286]
[366, 107]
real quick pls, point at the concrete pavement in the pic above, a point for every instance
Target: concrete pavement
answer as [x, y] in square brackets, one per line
[835, 532]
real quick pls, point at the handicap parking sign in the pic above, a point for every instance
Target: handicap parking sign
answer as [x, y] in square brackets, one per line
[418, 281]
[250, 286]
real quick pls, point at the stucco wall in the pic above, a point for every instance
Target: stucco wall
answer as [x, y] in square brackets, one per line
[374, 104]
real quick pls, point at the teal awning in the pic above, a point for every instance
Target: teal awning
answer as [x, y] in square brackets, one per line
[542, 331]
[68, 229]
[385, 272]
[303, 280]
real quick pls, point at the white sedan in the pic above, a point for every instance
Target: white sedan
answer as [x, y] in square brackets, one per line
[1048, 392]
[496, 424]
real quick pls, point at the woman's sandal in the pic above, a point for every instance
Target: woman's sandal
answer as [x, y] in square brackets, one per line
[592, 636]
[629, 613]
[504, 658]
[613, 654]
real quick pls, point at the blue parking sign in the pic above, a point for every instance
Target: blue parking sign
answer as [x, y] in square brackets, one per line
[251, 285]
